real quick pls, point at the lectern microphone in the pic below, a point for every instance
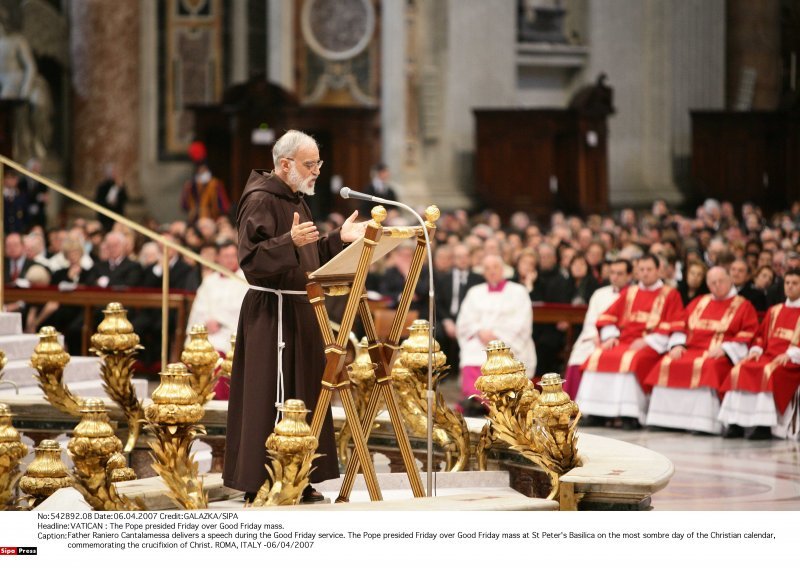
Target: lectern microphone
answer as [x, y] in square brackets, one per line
[348, 193]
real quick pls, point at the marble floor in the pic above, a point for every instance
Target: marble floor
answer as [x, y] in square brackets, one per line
[713, 474]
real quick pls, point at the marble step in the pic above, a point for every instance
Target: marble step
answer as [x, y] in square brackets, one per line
[10, 323]
[20, 347]
[21, 373]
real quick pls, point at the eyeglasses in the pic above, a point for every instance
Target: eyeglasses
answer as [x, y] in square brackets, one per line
[311, 164]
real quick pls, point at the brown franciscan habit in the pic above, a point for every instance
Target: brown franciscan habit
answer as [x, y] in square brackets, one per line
[269, 259]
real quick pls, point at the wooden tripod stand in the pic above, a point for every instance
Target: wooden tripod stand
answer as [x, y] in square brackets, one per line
[338, 277]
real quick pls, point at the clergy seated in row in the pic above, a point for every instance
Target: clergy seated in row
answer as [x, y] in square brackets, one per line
[634, 333]
[619, 275]
[761, 392]
[713, 335]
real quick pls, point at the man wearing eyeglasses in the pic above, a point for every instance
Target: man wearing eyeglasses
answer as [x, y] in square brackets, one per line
[279, 349]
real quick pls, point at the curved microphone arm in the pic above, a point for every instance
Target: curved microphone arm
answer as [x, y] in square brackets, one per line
[348, 193]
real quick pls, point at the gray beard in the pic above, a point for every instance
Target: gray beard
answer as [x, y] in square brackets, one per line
[298, 183]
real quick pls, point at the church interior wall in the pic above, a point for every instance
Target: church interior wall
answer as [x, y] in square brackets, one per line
[480, 72]
[662, 60]
[160, 180]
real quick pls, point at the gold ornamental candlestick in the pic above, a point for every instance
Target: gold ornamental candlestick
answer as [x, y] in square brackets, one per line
[410, 391]
[116, 344]
[91, 447]
[556, 417]
[200, 358]
[362, 375]
[12, 450]
[172, 419]
[291, 447]
[503, 382]
[449, 427]
[49, 361]
[46, 474]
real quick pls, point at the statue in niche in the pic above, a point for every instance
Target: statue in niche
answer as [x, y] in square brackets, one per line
[20, 80]
[539, 22]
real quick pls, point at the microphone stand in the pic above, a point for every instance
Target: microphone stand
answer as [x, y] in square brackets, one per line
[429, 394]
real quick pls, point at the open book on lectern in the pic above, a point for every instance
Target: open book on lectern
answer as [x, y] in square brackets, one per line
[346, 262]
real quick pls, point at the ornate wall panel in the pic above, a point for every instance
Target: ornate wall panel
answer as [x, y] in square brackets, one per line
[191, 59]
[337, 54]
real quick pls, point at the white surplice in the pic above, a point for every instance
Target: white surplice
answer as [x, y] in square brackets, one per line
[508, 314]
[219, 298]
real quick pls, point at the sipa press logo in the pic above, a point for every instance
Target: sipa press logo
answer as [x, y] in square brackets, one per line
[18, 551]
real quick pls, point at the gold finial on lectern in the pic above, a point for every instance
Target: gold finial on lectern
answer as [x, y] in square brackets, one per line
[378, 214]
[432, 214]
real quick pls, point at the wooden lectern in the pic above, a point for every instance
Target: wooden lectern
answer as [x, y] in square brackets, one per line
[346, 274]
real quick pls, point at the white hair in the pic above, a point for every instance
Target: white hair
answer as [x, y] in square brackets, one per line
[710, 205]
[150, 253]
[288, 145]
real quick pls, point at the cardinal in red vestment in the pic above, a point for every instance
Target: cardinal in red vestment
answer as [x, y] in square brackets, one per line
[715, 332]
[762, 391]
[634, 333]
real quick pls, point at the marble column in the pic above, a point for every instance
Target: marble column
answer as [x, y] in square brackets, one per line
[478, 70]
[238, 30]
[662, 60]
[280, 36]
[754, 41]
[393, 91]
[104, 46]
[697, 56]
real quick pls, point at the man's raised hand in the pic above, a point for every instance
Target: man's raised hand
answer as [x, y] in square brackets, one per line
[352, 230]
[303, 233]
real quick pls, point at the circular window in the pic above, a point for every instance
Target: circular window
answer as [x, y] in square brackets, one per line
[338, 29]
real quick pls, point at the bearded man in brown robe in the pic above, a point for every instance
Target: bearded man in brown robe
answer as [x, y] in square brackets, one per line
[278, 245]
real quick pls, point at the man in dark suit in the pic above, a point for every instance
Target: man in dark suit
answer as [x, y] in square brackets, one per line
[379, 186]
[181, 275]
[451, 287]
[550, 287]
[15, 208]
[37, 195]
[15, 267]
[111, 194]
[740, 277]
[117, 270]
[16, 262]
[147, 322]
[394, 278]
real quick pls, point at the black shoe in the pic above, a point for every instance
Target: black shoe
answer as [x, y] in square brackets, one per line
[474, 409]
[249, 497]
[759, 433]
[733, 431]
[311, 495]
[589, 421]
[629, 423]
